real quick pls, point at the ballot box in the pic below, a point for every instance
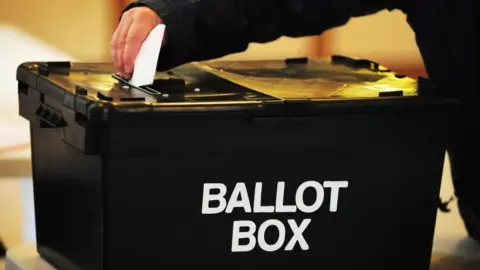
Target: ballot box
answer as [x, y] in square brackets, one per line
[267, 164]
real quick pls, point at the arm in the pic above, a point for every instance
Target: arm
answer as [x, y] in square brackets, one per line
[206, 29]
[447, 36]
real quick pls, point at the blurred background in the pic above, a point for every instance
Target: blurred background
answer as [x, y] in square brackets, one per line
[81, 30]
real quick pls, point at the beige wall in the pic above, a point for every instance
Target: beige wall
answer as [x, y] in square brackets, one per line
[279, 49]
[80, 28]
[83, 29]
[384, 37]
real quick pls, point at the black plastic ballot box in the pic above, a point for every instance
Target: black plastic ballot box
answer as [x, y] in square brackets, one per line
[273, 164]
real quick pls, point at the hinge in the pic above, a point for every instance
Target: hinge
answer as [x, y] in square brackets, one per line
[60, 67]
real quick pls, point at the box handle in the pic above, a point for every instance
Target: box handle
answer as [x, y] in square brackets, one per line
[49, 117]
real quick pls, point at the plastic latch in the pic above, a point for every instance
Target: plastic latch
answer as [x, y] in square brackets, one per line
[80, 91]
[104, 97]
[49, 117]
[357, 63]
[398, 93]
[293, 61]
[61, 67]
[43, 70]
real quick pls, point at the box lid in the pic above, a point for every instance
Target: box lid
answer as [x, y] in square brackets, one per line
[340, 78]
[267, 87]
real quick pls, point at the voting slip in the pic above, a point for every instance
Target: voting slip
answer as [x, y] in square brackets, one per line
[147, 58]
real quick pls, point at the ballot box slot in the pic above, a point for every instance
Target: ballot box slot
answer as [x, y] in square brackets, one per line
[172, 87]
[96, 82]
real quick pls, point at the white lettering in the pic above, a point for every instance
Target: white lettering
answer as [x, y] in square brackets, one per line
[245, 231]
[297, 237]
[334, 194]
[240, 190]
[240, 198]
[298, 234]
[261, 235]
[208, 197]
[279, 207]
[318, 201]
[257, 201]
[237, 235]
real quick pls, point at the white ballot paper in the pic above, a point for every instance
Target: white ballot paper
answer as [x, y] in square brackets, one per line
[146, 62]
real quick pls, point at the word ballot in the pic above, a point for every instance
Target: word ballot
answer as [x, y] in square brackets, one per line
[245, 229]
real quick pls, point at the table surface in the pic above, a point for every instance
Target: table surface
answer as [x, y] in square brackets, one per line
[25, 257]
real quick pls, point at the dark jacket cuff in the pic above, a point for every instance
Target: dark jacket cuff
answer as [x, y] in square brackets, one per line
[179, 31]
[161, 7]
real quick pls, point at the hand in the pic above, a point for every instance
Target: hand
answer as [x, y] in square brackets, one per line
[133, 29]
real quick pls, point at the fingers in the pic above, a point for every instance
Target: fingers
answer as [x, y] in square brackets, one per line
[121, 46]
[114, 46]
[132, 31]
[136, 36]
[118, 43]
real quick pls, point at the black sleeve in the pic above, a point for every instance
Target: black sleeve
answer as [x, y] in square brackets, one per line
[206, 29]
[447, 35]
